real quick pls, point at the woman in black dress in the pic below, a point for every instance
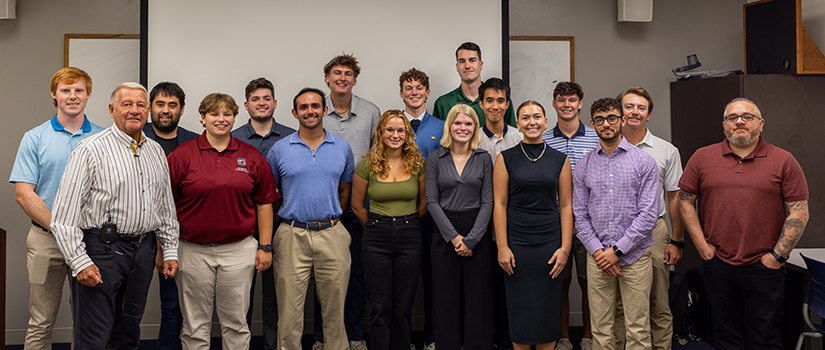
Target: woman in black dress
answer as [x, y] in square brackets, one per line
[534, 231]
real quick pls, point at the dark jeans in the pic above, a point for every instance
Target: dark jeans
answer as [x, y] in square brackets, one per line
[355, 304]
[269, 311]
[108, 315]
[463, 289]
[392, 253]
[171, 318]
[745, 299]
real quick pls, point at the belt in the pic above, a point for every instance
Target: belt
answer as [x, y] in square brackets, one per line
[317, 225]
[40, 226]
[128, 238]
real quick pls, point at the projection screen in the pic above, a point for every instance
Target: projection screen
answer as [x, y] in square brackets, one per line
[219, 46]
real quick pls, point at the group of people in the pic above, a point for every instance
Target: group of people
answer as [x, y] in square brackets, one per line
[480, 199]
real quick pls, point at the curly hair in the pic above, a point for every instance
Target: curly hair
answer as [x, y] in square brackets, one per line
[346, 60]
[377, 156]
[605, 105]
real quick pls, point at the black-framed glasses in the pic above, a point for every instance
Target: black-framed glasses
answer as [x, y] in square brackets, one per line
[731, 118]
[611, 119]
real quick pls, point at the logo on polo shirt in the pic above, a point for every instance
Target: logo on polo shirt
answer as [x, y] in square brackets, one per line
[242, 165]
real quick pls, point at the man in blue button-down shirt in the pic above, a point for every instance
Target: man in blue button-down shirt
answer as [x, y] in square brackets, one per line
[616, 197]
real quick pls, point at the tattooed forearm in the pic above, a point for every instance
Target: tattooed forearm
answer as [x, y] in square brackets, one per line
[686, 196]
[793, 227]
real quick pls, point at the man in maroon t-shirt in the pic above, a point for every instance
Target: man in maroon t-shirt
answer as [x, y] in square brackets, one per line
[754, 207]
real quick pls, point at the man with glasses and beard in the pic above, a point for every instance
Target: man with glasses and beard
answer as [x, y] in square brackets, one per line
[754, 207]
[616, 198]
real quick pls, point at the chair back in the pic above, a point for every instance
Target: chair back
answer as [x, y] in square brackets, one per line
[815, 294]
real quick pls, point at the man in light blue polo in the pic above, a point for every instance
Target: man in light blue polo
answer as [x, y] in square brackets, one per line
[41, 160]
[314, 168]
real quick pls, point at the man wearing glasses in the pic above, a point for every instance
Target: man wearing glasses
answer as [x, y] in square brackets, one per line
[754, 207]
[616, 198]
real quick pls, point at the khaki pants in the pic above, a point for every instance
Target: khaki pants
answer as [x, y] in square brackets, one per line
[661, 320]
[298, 252]
[633, 289]
[218, 277]
[47, 272]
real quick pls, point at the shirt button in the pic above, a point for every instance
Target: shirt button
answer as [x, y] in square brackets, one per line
[611, 191]
[740, 162]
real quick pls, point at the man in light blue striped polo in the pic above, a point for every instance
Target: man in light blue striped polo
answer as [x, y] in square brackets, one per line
[575, 139]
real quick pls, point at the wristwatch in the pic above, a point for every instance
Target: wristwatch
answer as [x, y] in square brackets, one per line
[617, 251]
[678, 244]
[265, 247]
[778, 257]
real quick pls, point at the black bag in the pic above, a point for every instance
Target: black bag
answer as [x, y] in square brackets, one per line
[681, 306]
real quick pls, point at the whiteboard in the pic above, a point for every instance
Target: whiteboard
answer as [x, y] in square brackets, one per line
[537, 64]
[110, 60]
[218, 46]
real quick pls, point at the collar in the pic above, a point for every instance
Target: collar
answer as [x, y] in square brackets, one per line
[294, 138]
[491, 134]
[760, 151]
[443, 151]
[250, 131]
[122, 137]
[623, 145]
[203, 143]
[647, 139]
[461, 93]
[86, 127]
[355, 101]
[579, 132]
[411, 118]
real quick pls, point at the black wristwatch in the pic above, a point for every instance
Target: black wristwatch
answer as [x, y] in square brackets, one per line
[678, 244]
[265, 247]
[778, 257]
[617, 251]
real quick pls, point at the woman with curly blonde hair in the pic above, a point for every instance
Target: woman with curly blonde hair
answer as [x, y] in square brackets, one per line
[392, 174]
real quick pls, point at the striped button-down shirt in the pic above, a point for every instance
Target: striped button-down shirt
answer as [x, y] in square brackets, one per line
[616, 200]
[111, 176]
[583, 141]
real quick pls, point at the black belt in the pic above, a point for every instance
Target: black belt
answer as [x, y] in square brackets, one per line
[317, 225]
[123, 237]
[40, 226]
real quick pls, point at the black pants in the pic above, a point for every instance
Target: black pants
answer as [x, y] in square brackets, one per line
[107, 316]
[463, 288]
[391, 254]
[745, 299]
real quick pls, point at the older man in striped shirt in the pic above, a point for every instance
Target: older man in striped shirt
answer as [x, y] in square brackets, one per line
[113, 201]
[616, 197]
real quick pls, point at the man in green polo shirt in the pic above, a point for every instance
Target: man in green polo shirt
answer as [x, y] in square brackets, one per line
[468, 64]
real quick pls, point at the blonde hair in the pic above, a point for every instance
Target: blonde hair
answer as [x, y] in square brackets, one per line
[377, 156]
[447, 139]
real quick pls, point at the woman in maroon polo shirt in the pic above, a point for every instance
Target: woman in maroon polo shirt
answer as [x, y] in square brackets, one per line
[224, 190]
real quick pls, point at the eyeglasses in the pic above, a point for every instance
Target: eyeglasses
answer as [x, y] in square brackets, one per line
[400, 131]
[747, 117]
[611, 119]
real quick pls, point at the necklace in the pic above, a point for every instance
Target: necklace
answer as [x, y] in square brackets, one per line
[396, 164]
[528, 157]
[345, 111]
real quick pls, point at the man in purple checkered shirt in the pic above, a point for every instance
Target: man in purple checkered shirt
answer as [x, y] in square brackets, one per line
[616, 198]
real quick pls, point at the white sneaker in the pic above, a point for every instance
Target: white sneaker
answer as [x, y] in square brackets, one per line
[318, 346]
[358, 345]
[564, 344]
[587, 344]
[430, 346]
